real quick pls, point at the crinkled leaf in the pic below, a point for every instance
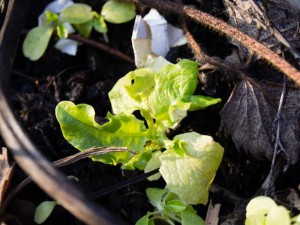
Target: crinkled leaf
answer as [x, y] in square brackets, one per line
[172, 83]
[82, 131]
[43, 211]
[260, 205]
[85, 29]
[36, 42]
[249, 117]
[138, 161]
[190, 176]
[115, 11]
[189, 217]
[77, 13]
[278, 216]
[131, 92]
[196, 102]
[176, 146]
[62, 31]
[99, 24]
[155, 196]
[153, 164]
[124, 130]
[78, 125]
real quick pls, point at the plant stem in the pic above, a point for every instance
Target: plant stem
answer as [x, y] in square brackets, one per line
[102, 47]
[224, 28]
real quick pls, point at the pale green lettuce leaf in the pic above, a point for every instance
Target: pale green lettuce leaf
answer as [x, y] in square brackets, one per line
[99, 23]
[153, 164]
[43, 211]
[36, 42]
[257, 219]
[260, 205]
[278, 216]
[172, 83]
[143, 220]
[115, 11]
[80, 129]
[191, 175]
[296, 220]
[76, 14]
[189, 217]
[62, 31]
[196, 102]
[173, 203]
[155, 196]
[85, 29]
[138, 161]
[131, 92]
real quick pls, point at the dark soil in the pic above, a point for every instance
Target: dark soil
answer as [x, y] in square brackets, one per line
[37, 87]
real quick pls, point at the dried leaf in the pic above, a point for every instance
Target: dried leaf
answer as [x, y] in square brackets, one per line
[272, 24]
[248, 117]
[6, 172]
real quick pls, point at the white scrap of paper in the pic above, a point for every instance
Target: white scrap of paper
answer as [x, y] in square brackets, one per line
[159, 33]
[152, 35]
[64, 45]
[67, 46]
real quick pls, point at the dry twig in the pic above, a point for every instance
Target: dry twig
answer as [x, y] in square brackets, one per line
[224, 28]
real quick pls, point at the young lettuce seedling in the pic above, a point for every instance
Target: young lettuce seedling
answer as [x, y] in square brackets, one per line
[188, 162]
[63, 16]
[263, 210]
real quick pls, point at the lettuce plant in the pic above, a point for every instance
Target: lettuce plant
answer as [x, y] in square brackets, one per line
[188, 162]
[263, 210]
[64, 16]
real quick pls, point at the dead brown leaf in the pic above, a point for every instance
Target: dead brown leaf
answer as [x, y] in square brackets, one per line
[6, 171]
[272, 24]
[248, 117]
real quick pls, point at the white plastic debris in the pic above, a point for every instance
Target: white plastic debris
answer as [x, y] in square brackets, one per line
[64, 45]
[67, 46]
[152, 35]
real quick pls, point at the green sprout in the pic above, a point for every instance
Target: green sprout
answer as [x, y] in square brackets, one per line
[263, 210]
[81, 17]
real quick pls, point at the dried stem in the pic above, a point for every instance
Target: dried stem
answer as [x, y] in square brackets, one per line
[202, 58]
[60, 163]
[224, 28]
[102, 47]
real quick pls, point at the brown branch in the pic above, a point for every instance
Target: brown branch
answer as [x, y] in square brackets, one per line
[102, 47]
[203, 58]
[60, 163]
[224, 28]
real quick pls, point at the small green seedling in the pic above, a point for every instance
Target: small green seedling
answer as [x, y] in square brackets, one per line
[263, 210]
[44, 210]
[188, 162]
[81, 17]
[170, 208]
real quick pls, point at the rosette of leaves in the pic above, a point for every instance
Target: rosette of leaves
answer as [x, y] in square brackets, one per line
[188, 162]
[78, 15]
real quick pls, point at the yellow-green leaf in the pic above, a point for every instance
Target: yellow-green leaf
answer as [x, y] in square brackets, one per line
[115, 11]
[36, 42]
[76, 14]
